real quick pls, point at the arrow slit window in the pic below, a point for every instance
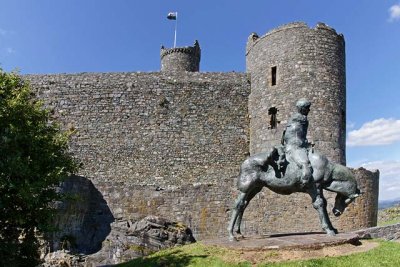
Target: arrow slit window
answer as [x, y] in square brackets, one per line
[273, 122]
[273, 76]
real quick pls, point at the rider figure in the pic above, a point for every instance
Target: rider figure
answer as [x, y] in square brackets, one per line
[295, 141]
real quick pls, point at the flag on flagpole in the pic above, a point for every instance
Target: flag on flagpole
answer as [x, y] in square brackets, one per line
[172, 15]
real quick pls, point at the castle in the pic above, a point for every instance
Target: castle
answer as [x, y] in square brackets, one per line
[170, 143]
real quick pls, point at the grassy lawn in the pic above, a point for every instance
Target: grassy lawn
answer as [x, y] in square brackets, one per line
[386, 254]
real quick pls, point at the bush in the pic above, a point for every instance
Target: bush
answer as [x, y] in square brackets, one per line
[34, 159]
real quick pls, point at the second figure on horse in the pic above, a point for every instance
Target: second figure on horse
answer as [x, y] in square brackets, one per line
[294, 139]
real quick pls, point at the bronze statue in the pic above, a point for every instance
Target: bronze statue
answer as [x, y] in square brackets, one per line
[294, 167]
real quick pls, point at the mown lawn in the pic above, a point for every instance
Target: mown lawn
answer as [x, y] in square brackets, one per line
[386, 254]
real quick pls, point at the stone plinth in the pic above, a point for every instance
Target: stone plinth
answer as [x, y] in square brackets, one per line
[285, 241]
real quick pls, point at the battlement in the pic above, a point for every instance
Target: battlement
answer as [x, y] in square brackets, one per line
[186, 49]
[180, 59]
[254, 38]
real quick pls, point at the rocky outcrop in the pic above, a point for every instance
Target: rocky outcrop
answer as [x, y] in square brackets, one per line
[389, 232]
[128, 240]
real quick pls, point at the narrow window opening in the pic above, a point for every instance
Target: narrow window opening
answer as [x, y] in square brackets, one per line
[343, 119]
[273, 121]
[273, 76]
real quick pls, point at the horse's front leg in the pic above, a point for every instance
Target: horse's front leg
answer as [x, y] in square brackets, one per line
[247, 200]
[236, 212]
[239, 222]
[319, 203]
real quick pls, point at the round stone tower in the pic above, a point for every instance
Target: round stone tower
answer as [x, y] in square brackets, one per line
[293, 62]
[181, 58]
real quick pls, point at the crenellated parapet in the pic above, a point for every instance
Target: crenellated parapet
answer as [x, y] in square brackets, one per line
[254, 38]
[180, 59]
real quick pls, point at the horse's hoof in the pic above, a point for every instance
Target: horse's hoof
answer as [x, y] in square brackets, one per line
[331, 232]
[239, 236]
[232, 239]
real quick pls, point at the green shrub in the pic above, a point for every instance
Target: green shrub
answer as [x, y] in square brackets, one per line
[34, 159]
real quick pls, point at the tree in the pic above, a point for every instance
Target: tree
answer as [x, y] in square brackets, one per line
[34, 159]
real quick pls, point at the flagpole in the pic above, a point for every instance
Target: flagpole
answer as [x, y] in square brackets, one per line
[176, 26]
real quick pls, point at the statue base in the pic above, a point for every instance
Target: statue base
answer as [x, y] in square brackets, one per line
[285, 241]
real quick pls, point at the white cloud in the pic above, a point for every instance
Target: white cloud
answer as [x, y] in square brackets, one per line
[394, 12]
[389, 180]
[374, 133]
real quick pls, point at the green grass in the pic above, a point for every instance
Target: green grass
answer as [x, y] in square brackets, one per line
[190, 255]
[387, 254]
[389, 222]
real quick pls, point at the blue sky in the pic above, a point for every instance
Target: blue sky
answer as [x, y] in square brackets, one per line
[69, 36]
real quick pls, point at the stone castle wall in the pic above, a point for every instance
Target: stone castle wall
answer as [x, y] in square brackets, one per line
[152, 128]
[308, 63]
[206, 208]
[157, 144]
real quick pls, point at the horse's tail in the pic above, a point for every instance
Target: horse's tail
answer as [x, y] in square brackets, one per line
[342, 173]
[345, 176]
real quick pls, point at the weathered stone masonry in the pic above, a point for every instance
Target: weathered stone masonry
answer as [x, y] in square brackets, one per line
[153, 128]
[154, 131]
[170, 143]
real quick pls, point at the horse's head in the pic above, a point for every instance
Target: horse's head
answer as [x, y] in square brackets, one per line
[342, 201]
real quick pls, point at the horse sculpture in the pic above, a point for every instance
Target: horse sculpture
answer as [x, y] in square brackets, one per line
[283, 176]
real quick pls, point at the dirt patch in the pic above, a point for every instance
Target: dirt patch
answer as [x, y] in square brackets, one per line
[256, 257]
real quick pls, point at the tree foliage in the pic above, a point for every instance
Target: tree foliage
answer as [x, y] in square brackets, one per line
[34, 159]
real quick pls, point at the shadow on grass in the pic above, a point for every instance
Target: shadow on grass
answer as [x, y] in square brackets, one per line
[175, 258]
